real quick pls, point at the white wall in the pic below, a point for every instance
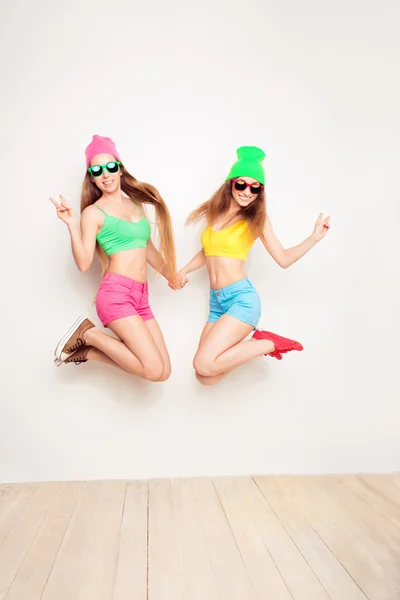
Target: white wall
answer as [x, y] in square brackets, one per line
[179, 87]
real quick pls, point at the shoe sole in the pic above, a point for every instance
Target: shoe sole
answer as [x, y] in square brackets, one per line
[65, 338]
[296, 346]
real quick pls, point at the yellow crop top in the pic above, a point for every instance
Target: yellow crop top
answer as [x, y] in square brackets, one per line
[234, 241]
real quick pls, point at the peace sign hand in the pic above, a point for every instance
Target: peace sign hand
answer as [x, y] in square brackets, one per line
[64, 211]
[321, 228]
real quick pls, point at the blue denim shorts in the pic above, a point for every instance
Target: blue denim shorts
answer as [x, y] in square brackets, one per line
[240, 300]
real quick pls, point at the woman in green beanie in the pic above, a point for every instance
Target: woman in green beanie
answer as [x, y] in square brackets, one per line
[236, 216]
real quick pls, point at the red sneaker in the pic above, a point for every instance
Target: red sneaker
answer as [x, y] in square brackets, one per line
[282, 345]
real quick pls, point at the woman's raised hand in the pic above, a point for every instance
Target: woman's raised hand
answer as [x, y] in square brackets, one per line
[64, 211]
[321, 228]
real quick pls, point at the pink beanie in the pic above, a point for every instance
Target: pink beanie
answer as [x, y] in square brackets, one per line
[100, 145]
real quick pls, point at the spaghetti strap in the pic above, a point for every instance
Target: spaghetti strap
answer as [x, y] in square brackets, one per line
[139, 207]
[103, 211]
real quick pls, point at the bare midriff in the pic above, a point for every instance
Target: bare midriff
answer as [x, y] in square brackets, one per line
[130, 263]
[224, 271]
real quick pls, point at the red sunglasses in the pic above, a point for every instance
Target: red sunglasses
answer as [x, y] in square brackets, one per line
[240, 185]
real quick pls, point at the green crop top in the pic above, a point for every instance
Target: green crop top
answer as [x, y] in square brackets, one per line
[118, 234]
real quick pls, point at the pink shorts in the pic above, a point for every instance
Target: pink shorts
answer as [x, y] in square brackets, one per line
[120, 297]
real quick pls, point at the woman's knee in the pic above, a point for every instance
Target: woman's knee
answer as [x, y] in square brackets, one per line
[166, 373]
[202, 365]
[154, 370]
[206, 380]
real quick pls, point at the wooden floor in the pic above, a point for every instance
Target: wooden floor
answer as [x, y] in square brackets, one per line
[276, 538]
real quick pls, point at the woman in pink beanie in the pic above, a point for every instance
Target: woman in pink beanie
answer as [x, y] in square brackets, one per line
[114, 224]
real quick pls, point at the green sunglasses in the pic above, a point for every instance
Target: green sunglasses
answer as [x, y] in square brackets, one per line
[97, 170]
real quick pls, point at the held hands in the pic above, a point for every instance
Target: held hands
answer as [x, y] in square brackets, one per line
[320, 228]
[64, 211]
[179, 281]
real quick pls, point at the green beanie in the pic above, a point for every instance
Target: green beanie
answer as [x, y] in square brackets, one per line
[248, 164]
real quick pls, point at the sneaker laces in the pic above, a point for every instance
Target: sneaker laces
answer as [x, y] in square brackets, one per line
[78, 361]
[77, 346]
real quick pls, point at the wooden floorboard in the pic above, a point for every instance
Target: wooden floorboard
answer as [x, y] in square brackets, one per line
[12, 505]
[261, 567]
[33, 573]
[299, 577]
[363, 526]
[330, 522]
[222, 538]
[131, 563]
[388, 509]
[232, 577]
[20, 538]
[86, 562]
[164, 562]
[335, 579]
[198, 575]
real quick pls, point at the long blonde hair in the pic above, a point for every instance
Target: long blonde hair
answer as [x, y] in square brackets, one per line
[218, 206]
[142, 193]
